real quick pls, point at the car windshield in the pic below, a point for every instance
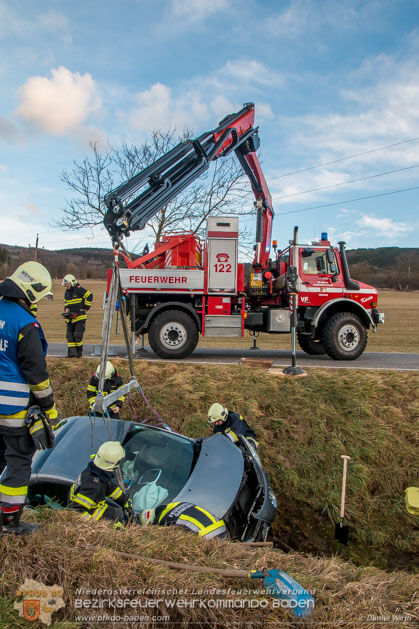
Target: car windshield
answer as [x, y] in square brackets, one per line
[156, 466]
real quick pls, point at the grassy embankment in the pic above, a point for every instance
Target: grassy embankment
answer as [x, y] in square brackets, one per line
[399, 334]
[304, 425]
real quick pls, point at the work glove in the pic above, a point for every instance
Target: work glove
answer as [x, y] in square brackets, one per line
[118, 526]
[39, 428]
[53, 417]
[147, 516]
[128, 504]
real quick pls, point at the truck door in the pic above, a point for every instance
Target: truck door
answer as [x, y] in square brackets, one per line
[319, 282]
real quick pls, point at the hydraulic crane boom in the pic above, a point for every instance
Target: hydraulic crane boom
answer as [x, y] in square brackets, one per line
[133, 203]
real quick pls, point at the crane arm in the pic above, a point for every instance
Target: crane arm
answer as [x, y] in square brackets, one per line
[132, 204]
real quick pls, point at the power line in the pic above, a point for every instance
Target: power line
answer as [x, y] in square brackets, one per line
[344, 183]
[342, 159]
[372, 196]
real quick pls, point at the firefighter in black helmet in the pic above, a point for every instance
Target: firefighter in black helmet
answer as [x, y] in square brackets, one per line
[24, 381]
[77, 301]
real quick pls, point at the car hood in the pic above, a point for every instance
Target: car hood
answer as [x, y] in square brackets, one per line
[216, 477]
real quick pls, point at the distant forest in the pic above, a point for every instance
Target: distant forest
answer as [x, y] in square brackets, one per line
[385, 267]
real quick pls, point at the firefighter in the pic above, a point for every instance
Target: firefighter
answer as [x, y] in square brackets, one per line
[97, 482]
[112, 382]
[24, 381]
[77, 301]
[188, 515]
[230, 424]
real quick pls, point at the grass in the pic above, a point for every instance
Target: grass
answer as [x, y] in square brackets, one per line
[304, 426]
[345, 594]
[400, 332]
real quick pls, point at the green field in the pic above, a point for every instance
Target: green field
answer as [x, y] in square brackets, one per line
[399, 334]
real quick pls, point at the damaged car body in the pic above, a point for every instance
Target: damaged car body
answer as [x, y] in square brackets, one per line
[224, 478]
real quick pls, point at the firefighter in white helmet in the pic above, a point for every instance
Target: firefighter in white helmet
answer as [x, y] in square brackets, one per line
[97, 482]
[230, 424]
[24, 382]
[77, 301]
[112, 382]
[187, 515]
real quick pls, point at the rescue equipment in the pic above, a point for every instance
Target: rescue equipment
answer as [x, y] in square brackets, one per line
[341, 531]
[277, 583]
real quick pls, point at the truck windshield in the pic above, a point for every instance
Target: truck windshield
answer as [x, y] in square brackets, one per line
[316, 263]
[155, 458]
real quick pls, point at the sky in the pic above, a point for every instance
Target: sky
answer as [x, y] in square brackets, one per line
[335, 87]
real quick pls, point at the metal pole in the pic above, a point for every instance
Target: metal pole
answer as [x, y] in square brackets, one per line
[133, 338]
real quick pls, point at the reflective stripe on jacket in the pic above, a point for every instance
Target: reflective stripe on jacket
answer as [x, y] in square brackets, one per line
[192, 517]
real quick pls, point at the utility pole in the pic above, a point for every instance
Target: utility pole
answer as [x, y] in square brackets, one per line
[36, 247]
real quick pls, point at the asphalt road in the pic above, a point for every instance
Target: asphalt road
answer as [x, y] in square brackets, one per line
[280, 358]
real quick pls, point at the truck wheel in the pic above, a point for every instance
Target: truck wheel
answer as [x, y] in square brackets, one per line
[173, 334]
[310, 346]
[344, 336]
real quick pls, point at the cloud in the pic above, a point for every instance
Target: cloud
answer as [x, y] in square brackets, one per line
[383, 226]
[197, 10]
[161, 106]
[53, 20]
[9, 131]
[58, 105]
[32, 208]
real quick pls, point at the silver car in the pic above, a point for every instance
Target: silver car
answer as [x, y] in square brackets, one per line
[213, 473]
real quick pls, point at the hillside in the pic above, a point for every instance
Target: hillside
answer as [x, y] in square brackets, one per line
[384, 267]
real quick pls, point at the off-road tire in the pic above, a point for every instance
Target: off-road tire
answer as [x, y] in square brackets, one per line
[310, 346]
[344, 336]
[173, 334]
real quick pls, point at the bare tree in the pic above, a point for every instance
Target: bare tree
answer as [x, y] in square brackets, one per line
[219, 191]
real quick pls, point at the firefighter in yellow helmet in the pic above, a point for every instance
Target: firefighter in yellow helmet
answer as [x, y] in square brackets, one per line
[77, 301]
[24, 382]
[187, 515]
[230, 424]
[97, 482]
[112, 382]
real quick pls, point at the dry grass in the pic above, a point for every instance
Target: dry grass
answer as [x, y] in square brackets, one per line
[304, 425]
[345, 595]
[399, 334]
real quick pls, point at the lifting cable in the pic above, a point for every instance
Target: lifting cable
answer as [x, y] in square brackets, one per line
[103, 402]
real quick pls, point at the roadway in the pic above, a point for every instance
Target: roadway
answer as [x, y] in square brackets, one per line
[279, 358]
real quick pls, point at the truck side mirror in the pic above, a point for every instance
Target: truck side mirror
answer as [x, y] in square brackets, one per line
[330, 256]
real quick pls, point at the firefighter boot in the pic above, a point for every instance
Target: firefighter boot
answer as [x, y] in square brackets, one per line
[10, 521]
[80, 351]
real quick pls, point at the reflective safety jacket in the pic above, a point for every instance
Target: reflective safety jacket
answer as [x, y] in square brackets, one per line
[91, 488]
[235, 425]
[109, 385]
[78, 300]
[192, 517]
[24, 376]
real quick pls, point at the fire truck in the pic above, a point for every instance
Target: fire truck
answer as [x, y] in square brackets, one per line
[187, 286]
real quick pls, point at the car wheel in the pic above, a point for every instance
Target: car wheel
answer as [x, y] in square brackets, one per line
[344, 336]
[310, 346]
[173, 334]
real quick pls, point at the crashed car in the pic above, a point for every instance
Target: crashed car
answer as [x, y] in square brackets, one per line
[213, 473]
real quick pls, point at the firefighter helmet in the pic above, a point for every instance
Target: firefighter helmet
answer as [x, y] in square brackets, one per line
[147, 516]
[109, 455]
[109, 371]
[217, 412]
[33, 279]
[69, 279]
